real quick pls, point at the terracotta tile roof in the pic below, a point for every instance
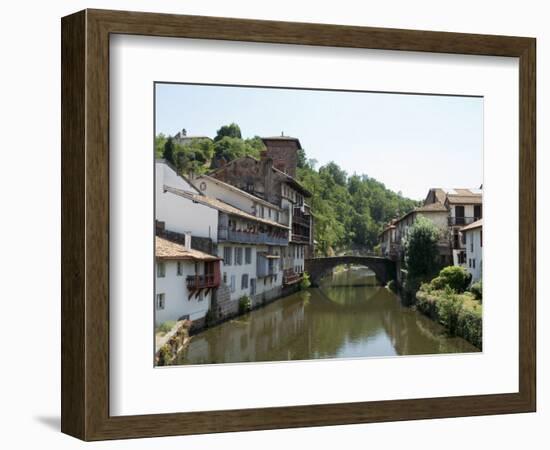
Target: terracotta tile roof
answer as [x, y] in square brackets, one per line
[435, 207]
[221, 206]
[281, 138]
[472, 226]
[168, 250]
[464, 196]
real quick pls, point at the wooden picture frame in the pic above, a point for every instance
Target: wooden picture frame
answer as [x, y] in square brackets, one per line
[85, 224]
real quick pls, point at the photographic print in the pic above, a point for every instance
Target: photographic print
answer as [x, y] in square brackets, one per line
[301, 224]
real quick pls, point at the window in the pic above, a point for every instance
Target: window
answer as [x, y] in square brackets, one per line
[160, 302]
[161, 270]
[180, 268]
[262, 211]
[238, 256]
[253, 286]
[248, 255]
[473, 263]
[269, 212]
[232, 285]
[225, 277]
[472, 242]
[227, 254]
[481, 238]
[244, 281]
[276, 216]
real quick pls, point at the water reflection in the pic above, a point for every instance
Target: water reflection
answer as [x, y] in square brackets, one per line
[348, 316]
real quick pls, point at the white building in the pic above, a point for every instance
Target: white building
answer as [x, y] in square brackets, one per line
[179, 214]
[250, 248]
[185, 280]
[473, 238]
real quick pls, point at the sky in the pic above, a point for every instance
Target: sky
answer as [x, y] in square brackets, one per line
[410, 143]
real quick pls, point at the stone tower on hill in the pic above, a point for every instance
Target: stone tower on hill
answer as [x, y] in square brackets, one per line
[283, 150]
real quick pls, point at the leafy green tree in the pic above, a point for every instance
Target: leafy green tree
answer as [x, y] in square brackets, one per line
[168, 153]
[421, 254]
[232, 130]
[160, 140]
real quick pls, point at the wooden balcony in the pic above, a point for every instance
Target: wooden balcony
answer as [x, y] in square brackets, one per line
[291, 277]
[195, 282]
[300, 238]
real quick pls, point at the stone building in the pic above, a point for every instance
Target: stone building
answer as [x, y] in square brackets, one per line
[272, 179]
[450, 210]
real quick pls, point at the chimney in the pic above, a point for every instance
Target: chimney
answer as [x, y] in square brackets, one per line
[187, 241]
[267, 172]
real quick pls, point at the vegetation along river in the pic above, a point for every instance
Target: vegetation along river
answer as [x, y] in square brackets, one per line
[349, 316]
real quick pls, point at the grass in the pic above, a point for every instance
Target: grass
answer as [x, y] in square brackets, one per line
[165, 327]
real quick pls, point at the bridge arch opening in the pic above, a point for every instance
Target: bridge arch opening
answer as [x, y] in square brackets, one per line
[383, 268]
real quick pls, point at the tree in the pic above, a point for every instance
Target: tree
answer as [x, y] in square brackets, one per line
[168, 153]
[421, 253]
[160, 140]
[232, 130]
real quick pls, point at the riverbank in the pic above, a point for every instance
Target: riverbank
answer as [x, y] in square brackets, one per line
[461, 314]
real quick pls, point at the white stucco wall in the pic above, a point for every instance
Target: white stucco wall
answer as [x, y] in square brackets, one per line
[239, 199]
[180, 214]
[176, 294]
[238, 270]
[474, 253]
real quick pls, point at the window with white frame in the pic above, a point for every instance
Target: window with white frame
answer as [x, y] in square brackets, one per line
[238, 256]
[248, 255]
[227, 255]
[252, 286]
[232, 285]
[180, 268]
[244, 281]
[161, 269]
[160, 303]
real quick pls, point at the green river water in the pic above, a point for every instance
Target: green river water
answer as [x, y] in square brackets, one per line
[349, 316]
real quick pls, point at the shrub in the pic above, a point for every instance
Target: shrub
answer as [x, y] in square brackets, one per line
[456, 277]
[449, 307]
[306, 282]
[437, 284]
[469, 326]
[477, 290]
[245, 304]
[165, 354]
[165, 327]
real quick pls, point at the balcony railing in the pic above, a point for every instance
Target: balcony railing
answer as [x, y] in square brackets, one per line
[300, 220]
[202, 281]
[300, 238]
[291, 277]
[246, 237]
[457, 221]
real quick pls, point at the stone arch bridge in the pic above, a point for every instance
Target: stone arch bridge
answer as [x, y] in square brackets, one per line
[317, 268]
